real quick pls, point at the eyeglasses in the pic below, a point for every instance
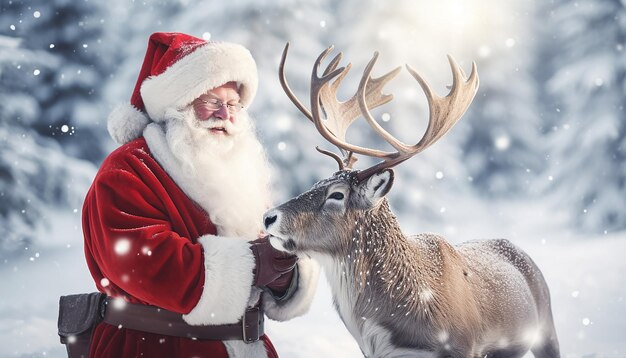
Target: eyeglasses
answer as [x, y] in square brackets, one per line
[213, 104]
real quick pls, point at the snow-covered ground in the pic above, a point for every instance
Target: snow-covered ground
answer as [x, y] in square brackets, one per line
[586, 276]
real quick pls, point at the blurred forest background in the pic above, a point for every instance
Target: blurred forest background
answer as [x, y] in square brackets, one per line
[547, 127]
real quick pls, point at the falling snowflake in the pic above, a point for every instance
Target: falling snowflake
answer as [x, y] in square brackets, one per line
[503, 142]
[105, 282]
[509, 42]
[586, 321]
[122, 246]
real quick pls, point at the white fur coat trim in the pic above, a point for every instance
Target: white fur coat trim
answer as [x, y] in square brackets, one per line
[126, 123]
[228, 265]
[300, 302]
[209, 66]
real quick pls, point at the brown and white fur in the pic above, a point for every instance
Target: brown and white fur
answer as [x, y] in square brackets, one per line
[415, 296]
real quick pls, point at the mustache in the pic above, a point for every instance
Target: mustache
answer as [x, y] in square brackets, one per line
[213, 122]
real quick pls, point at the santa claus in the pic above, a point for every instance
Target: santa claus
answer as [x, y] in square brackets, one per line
[171, 219]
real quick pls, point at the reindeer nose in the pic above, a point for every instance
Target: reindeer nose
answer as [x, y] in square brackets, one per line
[269, 220]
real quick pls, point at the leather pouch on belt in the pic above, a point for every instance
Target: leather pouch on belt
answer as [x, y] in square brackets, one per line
[78, 315]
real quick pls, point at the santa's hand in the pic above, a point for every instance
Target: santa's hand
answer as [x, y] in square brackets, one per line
[274, 268]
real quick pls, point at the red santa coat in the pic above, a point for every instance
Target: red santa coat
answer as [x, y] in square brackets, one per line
[148, 242]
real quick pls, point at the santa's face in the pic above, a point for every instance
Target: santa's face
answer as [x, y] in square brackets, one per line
[211, 125]
[217, 109]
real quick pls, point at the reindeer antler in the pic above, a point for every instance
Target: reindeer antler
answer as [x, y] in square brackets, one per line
[339, 115]
[444, 114]
[444, 111]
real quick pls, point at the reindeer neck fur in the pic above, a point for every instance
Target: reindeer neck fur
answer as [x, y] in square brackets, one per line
[383, 281]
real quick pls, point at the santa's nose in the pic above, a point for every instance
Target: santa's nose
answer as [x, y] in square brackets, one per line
[221, 113]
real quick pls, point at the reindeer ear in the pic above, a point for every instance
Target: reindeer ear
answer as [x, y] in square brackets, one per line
[378, 185]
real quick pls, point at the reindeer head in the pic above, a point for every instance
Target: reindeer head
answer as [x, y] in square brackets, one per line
[321, 218]
[318, 219]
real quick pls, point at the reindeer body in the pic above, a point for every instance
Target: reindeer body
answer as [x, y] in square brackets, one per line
[415, 296]
[399, 296]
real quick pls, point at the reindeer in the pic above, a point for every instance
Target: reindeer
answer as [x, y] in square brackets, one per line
[400, 296]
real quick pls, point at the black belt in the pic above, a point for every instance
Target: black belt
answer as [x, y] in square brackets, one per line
[161, 321]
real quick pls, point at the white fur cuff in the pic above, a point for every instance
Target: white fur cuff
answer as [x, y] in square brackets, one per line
[126, 123]
[228, 265]
[300, 302]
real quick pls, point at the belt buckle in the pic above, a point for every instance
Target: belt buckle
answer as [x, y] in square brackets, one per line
[251, 325]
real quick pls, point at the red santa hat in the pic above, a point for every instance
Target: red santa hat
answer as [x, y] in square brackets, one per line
[177, 69]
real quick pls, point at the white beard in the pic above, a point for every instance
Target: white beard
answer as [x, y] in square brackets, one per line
[231, 171]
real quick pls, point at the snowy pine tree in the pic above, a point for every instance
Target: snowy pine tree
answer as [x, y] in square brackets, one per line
[65, 92]
[587, 81]
[48, 80]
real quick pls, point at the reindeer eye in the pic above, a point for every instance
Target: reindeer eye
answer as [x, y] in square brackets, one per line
[336, 195]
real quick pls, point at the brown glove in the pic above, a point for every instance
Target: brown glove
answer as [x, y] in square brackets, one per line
[274, 268]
